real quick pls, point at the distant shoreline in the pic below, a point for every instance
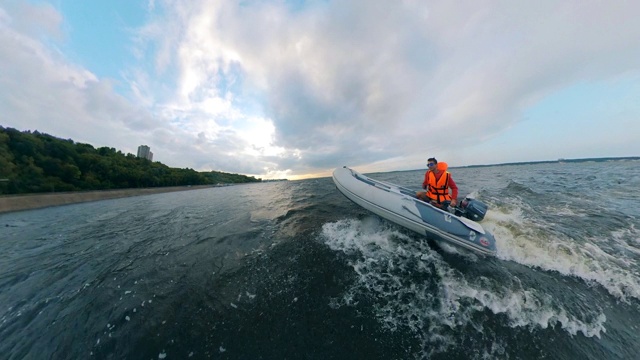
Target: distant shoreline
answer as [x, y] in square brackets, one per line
[11, 203]
[559, 161]
[556, 161]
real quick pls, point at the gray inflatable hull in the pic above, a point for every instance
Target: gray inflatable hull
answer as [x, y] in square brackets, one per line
[399, 205]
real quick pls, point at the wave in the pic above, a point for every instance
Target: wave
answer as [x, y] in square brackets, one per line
[415, 289]
[516, 188]
[606, 260]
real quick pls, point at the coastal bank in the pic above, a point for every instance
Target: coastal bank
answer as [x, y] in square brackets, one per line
[9, 203]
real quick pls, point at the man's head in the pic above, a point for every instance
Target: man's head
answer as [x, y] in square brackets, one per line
[432, 164]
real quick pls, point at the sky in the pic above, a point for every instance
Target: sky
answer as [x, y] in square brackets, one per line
[295, 89]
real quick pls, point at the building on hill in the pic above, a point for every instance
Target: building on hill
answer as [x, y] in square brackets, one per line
[145, 152]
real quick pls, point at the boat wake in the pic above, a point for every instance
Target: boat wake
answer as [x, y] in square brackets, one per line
[413, 289]
[608, 259]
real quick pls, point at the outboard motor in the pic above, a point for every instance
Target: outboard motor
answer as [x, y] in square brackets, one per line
[472, 209]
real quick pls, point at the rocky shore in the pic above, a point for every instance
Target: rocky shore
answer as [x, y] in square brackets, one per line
[11, 203]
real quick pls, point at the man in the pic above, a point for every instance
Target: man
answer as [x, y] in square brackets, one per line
[437, 182]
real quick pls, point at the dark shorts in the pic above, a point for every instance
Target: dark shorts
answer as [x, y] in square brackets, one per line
[443, 205]
[423, 196]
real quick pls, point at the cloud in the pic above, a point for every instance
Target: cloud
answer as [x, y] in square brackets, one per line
[41, 90]
[365, 82]
[288, 89]
[33, 19]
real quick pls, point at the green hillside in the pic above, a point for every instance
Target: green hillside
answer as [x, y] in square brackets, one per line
[33, 162]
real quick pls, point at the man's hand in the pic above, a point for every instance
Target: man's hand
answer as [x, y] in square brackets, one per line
[453, 202]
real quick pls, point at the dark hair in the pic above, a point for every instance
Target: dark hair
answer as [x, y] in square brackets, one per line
[432, 160]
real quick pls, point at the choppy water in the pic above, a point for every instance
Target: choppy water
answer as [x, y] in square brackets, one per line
[294, 270]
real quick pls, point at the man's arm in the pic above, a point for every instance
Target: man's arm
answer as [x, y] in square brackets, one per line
[454, 189]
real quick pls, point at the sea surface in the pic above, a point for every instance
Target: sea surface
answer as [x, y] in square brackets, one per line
[294, 270]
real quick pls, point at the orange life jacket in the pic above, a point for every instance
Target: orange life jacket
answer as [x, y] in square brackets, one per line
[438, 190]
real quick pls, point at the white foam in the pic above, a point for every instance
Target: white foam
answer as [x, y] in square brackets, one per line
[531, 244]
[524, 308]
[452, 249]
[386, 263]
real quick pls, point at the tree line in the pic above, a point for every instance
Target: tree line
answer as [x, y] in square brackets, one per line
[34, 162]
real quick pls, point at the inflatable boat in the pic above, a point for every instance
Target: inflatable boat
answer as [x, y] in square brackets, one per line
[459, 226]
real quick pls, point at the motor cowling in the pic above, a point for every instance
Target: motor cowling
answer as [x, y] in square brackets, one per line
[472, 209]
